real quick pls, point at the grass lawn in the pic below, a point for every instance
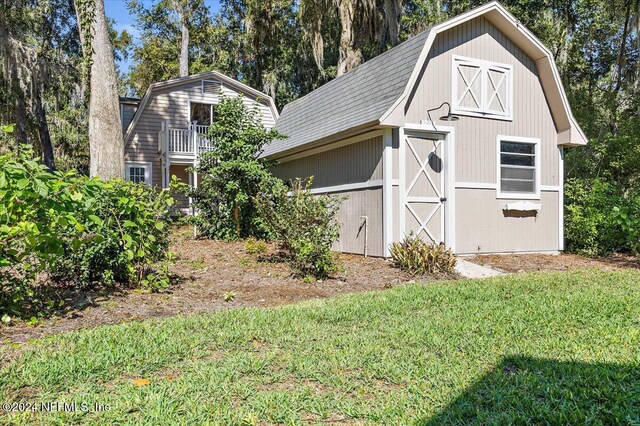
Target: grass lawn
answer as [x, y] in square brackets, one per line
[558, 348]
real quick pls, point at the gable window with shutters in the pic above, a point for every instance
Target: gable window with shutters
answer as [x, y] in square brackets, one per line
[481, 88]
[518, 167]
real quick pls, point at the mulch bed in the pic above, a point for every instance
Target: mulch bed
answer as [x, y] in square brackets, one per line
[205, 272]
[562, 262]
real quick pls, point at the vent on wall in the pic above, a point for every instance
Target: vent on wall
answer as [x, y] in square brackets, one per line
[211, 87]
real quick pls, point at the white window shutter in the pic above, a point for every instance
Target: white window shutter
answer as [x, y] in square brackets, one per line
[469, 85]
[497, 93]
[481, 88]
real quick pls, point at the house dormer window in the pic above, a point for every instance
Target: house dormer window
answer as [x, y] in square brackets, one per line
[482, 88]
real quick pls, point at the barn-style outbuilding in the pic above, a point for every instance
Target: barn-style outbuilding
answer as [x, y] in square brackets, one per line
[456, 135]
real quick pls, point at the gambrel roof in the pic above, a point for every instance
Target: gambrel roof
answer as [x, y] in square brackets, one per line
[228, 81]
[367, 95]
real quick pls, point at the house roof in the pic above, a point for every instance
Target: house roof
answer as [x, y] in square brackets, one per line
[181, 80]
[129, 100]
[368, 94]
[358, 97]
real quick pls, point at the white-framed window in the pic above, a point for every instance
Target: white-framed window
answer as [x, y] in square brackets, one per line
[138, 172]
[518, 167]
[481, 88]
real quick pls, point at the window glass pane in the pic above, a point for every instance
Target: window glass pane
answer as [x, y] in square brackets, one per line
[517, 160]
[201, 114]
[520, 148]
[517, 186]
[136, 174]
[513, 173]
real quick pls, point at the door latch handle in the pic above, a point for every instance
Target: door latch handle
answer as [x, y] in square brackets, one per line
[443, 199]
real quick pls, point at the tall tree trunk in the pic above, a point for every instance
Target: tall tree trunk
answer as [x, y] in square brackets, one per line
[184, 50]
[106, 146]
[623, 46]
[20, 113]
[393, 13]
[349, 58]
[43, 127]
[181, 10]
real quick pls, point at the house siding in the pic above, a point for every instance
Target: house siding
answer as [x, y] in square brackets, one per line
[359, 162]
[481, 225]
[171, 104]
[128, 111]
[353, 163]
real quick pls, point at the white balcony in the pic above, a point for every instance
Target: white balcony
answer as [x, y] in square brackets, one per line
[183, 143]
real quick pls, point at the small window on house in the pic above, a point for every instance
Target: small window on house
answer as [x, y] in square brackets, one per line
[211, 87]
[202, 114]
[481, 88]
[138, 172]
[519, 168]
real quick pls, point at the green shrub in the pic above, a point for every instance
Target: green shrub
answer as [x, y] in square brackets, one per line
[254, 246]
[418, 257]
[129, 222]
[232, 174]
[73, 228]
[306, 226]
[600, 218]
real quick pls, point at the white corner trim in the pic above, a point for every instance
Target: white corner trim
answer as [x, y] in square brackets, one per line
[387, 191]
[379, 183]
[561, 201]
[475, 185]
[518, 195]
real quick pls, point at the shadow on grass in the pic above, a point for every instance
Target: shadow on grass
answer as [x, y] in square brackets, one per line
[523, 390]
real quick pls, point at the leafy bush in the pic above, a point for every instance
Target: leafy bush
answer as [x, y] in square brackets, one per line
[418, 257]
[128, 222]
[254, 246]
[232, 173]
[72, 228]
[306, 226]
[600, 218]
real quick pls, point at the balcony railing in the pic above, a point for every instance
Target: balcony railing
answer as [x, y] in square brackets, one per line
[190, 142]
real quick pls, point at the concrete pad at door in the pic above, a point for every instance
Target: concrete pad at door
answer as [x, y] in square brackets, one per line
[473, 270]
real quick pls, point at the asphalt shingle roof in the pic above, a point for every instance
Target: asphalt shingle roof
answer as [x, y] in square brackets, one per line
[355, 98]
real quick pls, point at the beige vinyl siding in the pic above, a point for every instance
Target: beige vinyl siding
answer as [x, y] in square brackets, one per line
[171, 104]
[128, 111]
[360, 203]
[355, 163]
[483, 227]
[476, 137]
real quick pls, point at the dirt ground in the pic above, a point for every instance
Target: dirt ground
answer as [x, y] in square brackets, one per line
[208, 272]
[205, 272]
[545, 262]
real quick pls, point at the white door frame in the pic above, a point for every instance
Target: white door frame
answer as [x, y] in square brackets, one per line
[449, 178]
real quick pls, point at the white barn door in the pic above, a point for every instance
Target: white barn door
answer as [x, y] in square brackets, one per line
[423, 185]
